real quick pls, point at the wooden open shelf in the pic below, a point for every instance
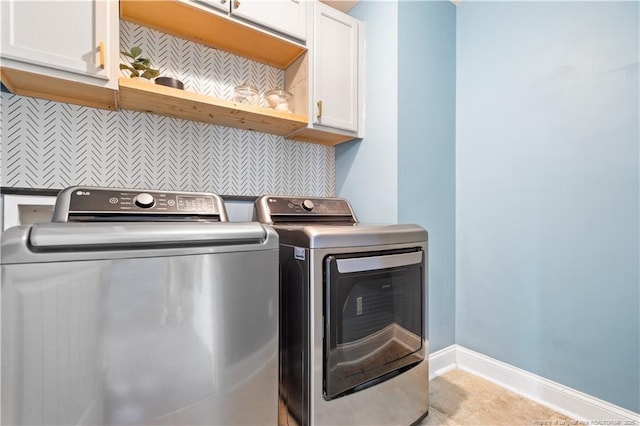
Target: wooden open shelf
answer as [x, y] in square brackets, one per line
[145, 96]
[321, 137]
[201, 25]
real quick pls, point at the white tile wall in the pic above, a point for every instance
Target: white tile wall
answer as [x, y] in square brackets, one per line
[48, 144]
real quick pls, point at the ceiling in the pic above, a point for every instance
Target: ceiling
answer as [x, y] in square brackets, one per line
[346, 5]
[342, 5]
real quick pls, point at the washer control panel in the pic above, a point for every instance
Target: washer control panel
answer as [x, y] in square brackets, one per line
[87, 202]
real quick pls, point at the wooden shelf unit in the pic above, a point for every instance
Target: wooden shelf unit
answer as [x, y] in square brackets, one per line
[205, 26]
[202, 25]
[144, 96]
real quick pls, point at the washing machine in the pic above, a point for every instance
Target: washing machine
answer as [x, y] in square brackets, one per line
[353, 320]
[139, 308]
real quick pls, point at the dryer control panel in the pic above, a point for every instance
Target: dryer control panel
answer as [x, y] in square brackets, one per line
[274, 209]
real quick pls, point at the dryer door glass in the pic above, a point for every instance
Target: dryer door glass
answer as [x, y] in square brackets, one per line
[374, 311]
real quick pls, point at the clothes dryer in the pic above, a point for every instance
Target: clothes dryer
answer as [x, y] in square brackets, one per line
[353, 320]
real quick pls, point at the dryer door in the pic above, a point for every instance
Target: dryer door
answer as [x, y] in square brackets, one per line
[374, 311]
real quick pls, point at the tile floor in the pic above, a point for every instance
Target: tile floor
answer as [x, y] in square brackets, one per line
[461, 398]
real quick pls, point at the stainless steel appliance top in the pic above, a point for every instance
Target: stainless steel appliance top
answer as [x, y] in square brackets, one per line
[357, 235]
[94, 204]
[327, 223]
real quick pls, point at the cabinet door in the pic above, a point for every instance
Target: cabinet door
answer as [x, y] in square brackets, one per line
[69, 35]
[336, 69]
[285, 16]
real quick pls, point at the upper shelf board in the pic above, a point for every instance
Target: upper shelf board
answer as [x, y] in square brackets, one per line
[144, 96]
[189, 20]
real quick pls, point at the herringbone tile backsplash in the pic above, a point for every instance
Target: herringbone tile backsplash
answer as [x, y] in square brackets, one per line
[54, 145]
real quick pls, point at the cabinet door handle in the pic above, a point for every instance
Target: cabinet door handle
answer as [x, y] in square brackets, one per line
[236, 4]
[102, 54]
[223, 1]
[319, 109]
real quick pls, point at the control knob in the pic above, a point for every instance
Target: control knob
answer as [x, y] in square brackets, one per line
[307, 205]
[144, 200]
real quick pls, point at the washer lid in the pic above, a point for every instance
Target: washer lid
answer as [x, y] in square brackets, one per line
[48, 242]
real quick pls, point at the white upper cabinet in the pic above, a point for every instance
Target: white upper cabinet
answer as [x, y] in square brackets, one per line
[337, 68]
[328, 81]
[73, 40]
[56, 34]
[284, 16]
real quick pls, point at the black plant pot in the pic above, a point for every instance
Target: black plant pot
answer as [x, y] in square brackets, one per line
[170, 82]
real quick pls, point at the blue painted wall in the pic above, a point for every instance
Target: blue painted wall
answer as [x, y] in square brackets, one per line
[408, 153]
[548, 191]
[369, 168]
[426, 147]
[546, 164]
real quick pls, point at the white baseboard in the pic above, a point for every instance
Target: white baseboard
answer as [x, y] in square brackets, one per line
[572, 403]
[442, 361]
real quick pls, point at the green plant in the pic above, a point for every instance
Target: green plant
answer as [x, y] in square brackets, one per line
[138, 66]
